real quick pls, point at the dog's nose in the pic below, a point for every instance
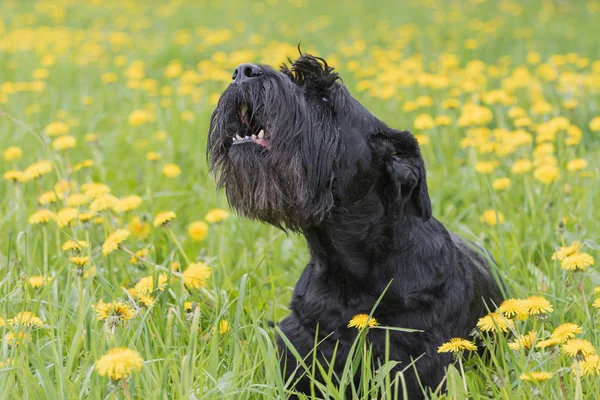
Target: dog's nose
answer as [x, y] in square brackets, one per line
[245, 72]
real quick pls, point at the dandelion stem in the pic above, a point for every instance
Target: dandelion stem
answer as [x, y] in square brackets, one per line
[462, 372]
[585, 303]
[174, 238]
[126, 389]
[45, 254]
[578, 391]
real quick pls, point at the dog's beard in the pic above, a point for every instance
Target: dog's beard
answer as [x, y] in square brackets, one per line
[259, 187]
[255, 147]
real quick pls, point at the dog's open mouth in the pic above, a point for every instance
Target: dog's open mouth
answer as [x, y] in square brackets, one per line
[252, 131]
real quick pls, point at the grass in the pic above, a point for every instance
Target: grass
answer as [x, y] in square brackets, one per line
[90, 67]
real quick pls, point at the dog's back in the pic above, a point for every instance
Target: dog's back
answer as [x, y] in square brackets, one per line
[487, 293]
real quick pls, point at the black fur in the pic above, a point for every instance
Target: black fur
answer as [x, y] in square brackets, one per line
[357, 190]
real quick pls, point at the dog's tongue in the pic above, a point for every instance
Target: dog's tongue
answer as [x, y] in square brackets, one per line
[263, 142]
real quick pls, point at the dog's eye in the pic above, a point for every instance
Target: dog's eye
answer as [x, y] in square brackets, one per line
[325, 99]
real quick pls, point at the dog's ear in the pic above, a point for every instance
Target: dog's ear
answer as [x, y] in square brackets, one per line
[399, 155]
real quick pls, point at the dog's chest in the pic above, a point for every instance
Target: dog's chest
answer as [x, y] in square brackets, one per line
[325, 300]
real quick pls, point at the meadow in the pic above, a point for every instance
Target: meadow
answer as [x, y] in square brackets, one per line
[123, 273]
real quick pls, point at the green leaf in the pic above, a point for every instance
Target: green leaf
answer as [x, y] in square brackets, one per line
[456, 389]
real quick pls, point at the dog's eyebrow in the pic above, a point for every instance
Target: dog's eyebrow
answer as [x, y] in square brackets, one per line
[310, 68]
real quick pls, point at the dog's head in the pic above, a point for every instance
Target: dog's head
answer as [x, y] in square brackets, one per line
[290, 146]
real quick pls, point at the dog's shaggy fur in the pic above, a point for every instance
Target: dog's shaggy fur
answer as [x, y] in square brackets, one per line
[293, 148]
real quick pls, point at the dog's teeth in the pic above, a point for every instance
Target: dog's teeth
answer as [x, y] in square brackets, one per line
[254, 137]
[234, 139]
[238, 137]
[244, 110]
[261, 134]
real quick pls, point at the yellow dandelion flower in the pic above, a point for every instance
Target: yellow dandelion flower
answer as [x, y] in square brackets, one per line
[13, 153]
[223, 327]
[41, 217]
[542, 344]
[443, 120]
[546, 173]
[91, 137]
[457, 345]
[174, 69]
[86, 216]
[64, 143]
[187, 115]
[590, 365]
[521, 166]
[14, 176]
[424, 122]
[37, 281]
[188, 306]
[492, 217]
[146, 284]
[47, 198]
[64, 187]
[27, 319]
[576, 165]
[523, 341]
[535, 305]
[77, 199]
[38, 169]
[422, 139]
[569, 104]
[79, 261]
[573, 347]
[127, 204]
[564, 252]
[171, 170]
[139, 117]
[511, 308]
[102, 310]
[216, 215]
[595, 124]
[361, 321]
[198, 230]
[450, 103]
[103, 203]
[21, 339]
[535, 376]
[596, 303]
[66, 215]
[57, 129]
[109, 77]
[119, 363]
[90, 273]
[93, 189]
[577, 261]
[164, 218]
[117, 311]
[139, 228]
[501, 183]
[195, 275]
[494, 322]
[486, 167]
[153, 156]
[145, 300]
[112, 242]
[566, 331]
[135, 259]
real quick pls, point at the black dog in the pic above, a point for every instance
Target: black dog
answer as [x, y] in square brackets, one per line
[293, 148]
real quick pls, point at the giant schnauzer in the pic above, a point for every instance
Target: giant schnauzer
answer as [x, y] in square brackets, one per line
[293, 148]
